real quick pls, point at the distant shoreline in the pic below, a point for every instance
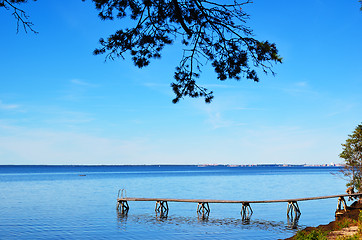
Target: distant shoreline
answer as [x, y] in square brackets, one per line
[172, 165]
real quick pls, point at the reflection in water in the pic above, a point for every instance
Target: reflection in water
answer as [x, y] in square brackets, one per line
[203, 216]
[122, 219]
[177, 221]
[161, 210]
[293, 221]
[246, 218]
[122, 215]
[162, 215]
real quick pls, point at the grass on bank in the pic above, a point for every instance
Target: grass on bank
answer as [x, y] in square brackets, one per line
[312, 235]
[319, 234]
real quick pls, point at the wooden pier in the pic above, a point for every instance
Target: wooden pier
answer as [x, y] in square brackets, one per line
[203, 208]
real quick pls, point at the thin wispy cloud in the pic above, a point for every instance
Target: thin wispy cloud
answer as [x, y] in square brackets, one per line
[4, 106]
[301, 84]
[77, 90]
[69, 118]
[301, 87]
[82, 83]
[223, 113]
[153, 85]
[163, 88]
[224, 86]
[249, 109]
[342, 107]
[22, 145]
[216, 119]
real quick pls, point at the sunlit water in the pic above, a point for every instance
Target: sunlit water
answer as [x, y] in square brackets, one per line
[38, 202]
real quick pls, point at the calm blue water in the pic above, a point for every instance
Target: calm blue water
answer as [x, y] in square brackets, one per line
[54, 202]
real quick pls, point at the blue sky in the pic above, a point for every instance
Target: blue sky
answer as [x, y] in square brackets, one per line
[59, 104]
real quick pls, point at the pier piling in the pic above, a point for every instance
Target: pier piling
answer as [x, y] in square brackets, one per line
[203, 207]
[293, 207]
[341, 202]
[161, 206]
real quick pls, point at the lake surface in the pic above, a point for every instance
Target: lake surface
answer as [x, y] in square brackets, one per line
[55, 202]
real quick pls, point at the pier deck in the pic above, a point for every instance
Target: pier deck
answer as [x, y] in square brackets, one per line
[235, 201]
[246, 211]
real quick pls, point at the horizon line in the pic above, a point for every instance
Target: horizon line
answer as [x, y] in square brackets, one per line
[198, 165]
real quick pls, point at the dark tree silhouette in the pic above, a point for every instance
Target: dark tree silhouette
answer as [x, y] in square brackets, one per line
[211, 31]
[22, 19]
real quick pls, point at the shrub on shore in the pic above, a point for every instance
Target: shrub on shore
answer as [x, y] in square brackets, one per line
[312, 235]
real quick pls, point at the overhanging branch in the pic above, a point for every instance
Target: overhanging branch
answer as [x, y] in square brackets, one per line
[20, 16]
[180, 18]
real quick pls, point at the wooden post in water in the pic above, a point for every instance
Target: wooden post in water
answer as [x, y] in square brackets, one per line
[123, 206]
[203, 207]
[162, 209]
[246, 211]
[161, 206]
[245, 208]
[293, 207]
[340, 202]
